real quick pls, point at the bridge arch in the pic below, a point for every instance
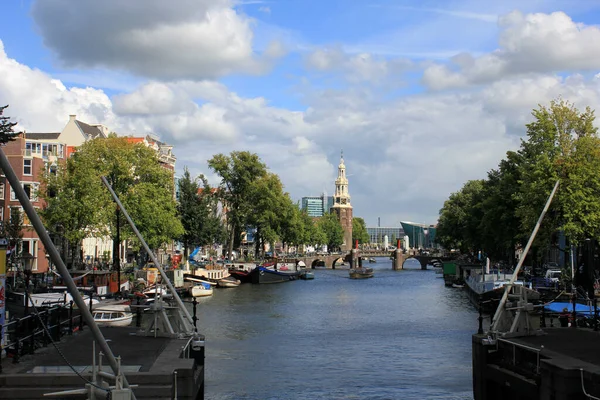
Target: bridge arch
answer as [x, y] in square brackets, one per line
[315, 263]
[335, 260]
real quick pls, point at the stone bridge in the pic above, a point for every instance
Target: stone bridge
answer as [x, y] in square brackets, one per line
[334, 261]
[328, 261]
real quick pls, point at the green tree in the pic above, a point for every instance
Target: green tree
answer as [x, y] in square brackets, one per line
[238, 172]
[77, 199]
[458, 225]
[500, 226]
[189, 210]
[7, 132]
[359, 231]
[292, 223]
[333, 231]
[561, 144]
[267, 204]
[198, 208]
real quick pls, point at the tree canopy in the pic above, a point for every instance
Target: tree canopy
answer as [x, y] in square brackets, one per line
[332, 230]
[359, 231]
[198, 208]
[79, 203]
[498, 214]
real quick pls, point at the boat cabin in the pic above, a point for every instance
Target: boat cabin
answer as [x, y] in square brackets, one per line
[100, 282]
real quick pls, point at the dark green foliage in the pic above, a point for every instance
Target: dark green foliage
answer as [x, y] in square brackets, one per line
[7, 132]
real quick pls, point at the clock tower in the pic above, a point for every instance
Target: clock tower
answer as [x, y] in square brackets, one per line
[341, 205]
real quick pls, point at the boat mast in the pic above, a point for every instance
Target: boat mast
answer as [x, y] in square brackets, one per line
[188, 320]
[508, 287]
[35, 220]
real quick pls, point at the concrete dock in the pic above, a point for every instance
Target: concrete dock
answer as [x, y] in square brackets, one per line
[148, 362]
[559, 364]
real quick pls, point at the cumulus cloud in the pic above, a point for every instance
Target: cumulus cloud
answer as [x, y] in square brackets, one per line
[361, 67]
[40, 103]
[532, 43]
[179, 39]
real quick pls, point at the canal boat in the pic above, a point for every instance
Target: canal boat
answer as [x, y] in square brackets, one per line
[158, 291]
[241, 271]
[113, 315]
[361, 273]
[200, 290]
[307, 275]
[262, 274]
[228, 282]
[100, 282]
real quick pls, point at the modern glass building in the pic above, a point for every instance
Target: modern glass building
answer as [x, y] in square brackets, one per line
[316, 206]
[420, 236]
[377, 234]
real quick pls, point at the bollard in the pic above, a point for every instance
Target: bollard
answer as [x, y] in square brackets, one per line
[138, 314]
[194, 317]
[480, 330]
[543, 317]
[574, 314]
[47, 332]
[595, 315]
[17, 343]
[80, 321]
[71, 317]
[1, 326]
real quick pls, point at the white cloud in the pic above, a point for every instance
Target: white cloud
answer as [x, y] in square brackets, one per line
[265, 9]
[178, 39]
[360, 67]
[532, 43]
[40, 103]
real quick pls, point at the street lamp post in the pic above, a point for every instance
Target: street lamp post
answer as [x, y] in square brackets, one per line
[425, 232]
[27, 259]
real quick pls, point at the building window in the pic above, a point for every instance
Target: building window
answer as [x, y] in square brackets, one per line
[31, 190]
[27, 166]
[1, 190]
[30, 246]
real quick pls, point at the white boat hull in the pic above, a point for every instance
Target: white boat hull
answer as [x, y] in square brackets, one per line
[200, 291]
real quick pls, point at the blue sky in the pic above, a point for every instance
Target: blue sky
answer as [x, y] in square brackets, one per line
[422, 95]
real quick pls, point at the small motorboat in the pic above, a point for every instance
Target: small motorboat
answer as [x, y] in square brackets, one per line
[458, 285]
[228, 282]
[361, 273]
[158, 291]
[372, 260]
[113, 315]
[307, 275]
[200, 290]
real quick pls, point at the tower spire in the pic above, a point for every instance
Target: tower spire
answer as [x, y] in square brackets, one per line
[341, 203]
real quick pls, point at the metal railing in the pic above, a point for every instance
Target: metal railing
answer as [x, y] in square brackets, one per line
[514, 345]
[25, 335]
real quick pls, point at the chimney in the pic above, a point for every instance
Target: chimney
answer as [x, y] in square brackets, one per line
[72, 117]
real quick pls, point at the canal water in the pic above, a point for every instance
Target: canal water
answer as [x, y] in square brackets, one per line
[399, 335]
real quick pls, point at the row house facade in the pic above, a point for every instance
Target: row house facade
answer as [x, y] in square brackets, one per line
[30, 154]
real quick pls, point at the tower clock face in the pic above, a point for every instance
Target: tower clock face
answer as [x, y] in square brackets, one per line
[343, 201]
